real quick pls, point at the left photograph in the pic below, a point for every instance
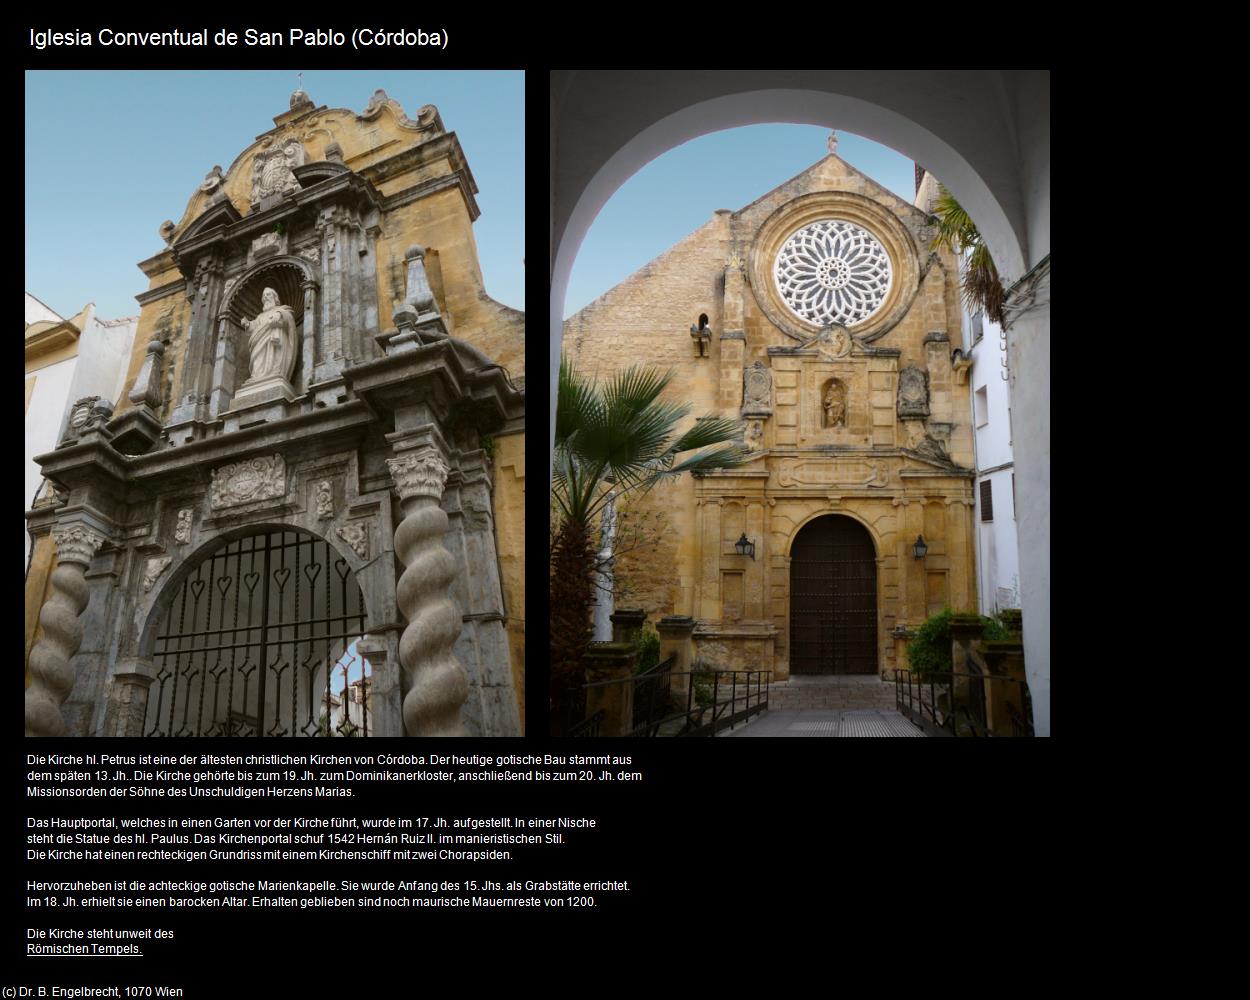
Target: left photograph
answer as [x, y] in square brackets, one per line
[274, 404]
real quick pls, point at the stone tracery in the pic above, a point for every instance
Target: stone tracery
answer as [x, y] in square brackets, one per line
[833, 272]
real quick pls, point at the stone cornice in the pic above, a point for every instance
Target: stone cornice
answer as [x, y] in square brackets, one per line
[444, 380]
[426, 188]
[161, 291]
[52, 338]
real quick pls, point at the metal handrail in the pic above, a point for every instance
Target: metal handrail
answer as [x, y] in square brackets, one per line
[730, 689]
[964, 703]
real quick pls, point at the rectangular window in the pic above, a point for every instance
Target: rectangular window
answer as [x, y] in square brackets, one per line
[987, 500]
[981, 406]
[976, 327]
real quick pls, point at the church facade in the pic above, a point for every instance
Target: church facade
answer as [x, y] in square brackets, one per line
[819, 317]
[304, 514]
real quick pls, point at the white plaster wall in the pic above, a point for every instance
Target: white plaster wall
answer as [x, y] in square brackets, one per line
[998, 554]
[98, 370]
[104, 350]
[37, 312]
[1029, 347]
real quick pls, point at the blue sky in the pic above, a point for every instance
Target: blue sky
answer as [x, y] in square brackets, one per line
[676, 193]
[111, 155]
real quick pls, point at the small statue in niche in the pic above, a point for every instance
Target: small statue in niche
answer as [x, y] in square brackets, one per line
[702, 335]
[835, 404]
[754, 439]
[271, 341]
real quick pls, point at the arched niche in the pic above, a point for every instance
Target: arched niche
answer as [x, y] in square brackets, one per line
[295, 283]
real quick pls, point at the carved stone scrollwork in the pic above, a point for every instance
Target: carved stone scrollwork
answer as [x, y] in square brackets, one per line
[325, 500]
[51, 675]
[438, 685]
[273, 171]
[423, 475]
[182, 533]
[356, 535]
[76, 543]
[153, 569]
[913, 393]
[90, 413]
[247, 481]
[757, 391]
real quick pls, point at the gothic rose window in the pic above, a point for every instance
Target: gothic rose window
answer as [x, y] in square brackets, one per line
[832, 272]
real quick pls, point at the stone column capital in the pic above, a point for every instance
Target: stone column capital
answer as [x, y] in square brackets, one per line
[419, 474]
[77, 543]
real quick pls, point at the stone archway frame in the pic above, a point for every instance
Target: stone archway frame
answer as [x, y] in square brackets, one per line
[879, 557]
[136, 673]
[846, 206]
[158, 603]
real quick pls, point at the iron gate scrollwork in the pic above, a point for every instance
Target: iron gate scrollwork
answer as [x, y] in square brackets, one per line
[259, 640]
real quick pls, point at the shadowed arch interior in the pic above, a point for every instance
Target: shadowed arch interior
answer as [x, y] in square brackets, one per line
[833, 598]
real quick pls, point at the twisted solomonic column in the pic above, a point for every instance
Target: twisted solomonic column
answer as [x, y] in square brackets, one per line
[438, 685]
[51, 676]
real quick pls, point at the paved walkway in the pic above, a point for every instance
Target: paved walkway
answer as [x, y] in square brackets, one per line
[829, 705]
[815, 722]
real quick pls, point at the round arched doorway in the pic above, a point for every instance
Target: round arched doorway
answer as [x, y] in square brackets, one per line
[259, 639]
[833, 598]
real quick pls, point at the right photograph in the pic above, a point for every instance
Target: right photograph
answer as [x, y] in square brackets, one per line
[800, 432]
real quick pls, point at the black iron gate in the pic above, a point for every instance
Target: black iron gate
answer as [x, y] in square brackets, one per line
[833, 599]
[259, 640]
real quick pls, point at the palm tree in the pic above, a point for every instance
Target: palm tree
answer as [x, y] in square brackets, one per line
[613, 439]
[957, 232]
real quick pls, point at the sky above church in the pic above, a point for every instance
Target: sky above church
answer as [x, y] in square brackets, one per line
[676, 193]
[112, 155]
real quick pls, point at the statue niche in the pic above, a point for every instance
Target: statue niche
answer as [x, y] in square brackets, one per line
[833, 404]
[273, 348]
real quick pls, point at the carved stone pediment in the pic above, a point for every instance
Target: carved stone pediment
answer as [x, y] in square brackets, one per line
[248, 481]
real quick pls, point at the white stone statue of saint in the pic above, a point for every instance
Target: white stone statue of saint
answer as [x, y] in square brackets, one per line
[272, 345]
[271, 340]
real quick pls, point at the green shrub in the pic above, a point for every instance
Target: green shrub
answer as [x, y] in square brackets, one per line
[647, 646]
[704, 693]
[930, 651]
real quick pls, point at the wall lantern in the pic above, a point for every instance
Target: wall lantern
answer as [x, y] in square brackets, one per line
[920, 548]
[745, 546]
